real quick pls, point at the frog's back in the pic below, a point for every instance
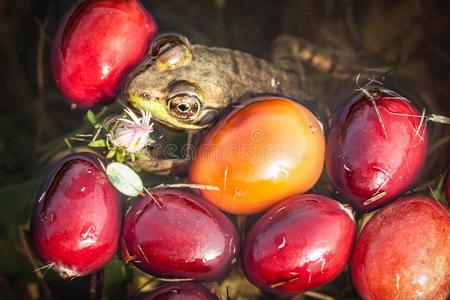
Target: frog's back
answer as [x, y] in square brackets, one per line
[186, 86]
[231, 76]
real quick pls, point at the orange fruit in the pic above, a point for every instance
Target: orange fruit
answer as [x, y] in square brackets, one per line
[262, 152]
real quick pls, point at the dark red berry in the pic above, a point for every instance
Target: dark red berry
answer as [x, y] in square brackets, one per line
[181, 291]
[96, 44]
[173, 233]
[404, 252]
[77, 217]
[299, 244]
[374, 158]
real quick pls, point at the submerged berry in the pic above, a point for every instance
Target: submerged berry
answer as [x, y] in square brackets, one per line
[172, 233]
[76, 219]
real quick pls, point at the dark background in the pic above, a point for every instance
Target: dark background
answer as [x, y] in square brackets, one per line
[411, 35]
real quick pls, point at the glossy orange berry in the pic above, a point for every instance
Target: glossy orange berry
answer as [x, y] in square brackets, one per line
[262, 152]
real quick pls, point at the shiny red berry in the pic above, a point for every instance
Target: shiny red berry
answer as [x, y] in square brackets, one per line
[376, 149]
[404, 252]
[299, 244]
[76, 219]
[176, 234]
[96, 44]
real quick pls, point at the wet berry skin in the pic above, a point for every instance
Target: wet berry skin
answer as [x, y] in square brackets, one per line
[404, 252]
[173, 233]
[369, 166]
[301, 243]
[263, 151]
[76, 218]
[96, 44]
[181, 291]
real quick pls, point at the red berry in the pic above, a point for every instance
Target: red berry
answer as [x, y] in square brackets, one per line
[371, 160]
[95, 45]
[176, 234]
[404, 252]
[301, 243]
[76, 219]
[182, 291]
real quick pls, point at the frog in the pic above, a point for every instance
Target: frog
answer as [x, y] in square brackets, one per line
[187, 86]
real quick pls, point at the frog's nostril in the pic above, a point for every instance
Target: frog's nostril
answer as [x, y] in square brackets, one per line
[146, 96]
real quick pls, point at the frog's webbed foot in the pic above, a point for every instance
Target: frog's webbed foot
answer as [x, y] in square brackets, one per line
[284, 55]
[290, 53]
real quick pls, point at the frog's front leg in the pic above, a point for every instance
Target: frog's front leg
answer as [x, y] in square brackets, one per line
[164, 161]
[163, 167]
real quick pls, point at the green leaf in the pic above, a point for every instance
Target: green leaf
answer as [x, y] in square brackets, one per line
[120, 156]
[92, 119]
[113, 279]
[124, 179]
[111, 153]
[98, 143]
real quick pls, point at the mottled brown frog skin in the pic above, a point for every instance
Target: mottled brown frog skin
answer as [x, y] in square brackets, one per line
[187, 89]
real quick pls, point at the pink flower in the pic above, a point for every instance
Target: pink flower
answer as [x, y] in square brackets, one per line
[132, 133]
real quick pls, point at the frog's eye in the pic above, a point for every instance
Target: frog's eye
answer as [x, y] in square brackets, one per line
[183, 101]
[171, 51]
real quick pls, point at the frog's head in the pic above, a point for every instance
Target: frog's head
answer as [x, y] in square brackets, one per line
[166, 85]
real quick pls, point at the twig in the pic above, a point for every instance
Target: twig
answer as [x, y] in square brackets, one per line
[374, 198]
[281, 283]
[188, 185]
[176, 279]
[377, 111]
[41, 115]
[420, 124]
[371, 98]
[439, 119]
[26, 250]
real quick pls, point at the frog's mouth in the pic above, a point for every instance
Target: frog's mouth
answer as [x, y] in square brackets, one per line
[160, 113]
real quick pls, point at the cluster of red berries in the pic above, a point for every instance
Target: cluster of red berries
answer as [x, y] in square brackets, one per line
[376, 148]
